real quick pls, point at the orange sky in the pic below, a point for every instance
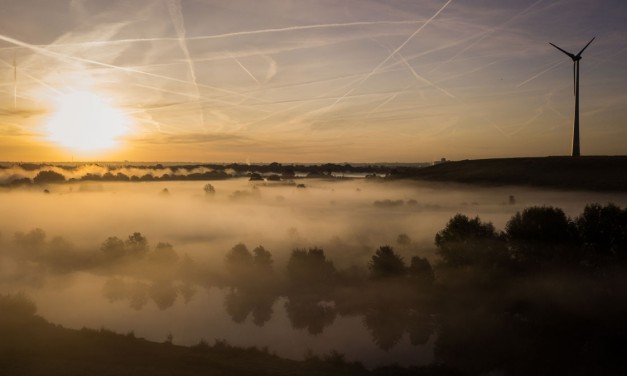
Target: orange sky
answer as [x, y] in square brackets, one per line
[308, 81]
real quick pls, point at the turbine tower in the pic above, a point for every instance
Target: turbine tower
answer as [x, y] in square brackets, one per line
[576, 58]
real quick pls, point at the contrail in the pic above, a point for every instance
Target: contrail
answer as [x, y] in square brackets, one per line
[555, 65]
[388, 100]
[420, 78]
[176, 14]
[244, 68]
[27, 75]
[486, 34]
[14, 82]
[376, 69]
[238, 33]
[61, 56]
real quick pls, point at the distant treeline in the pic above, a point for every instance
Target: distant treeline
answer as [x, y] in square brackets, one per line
[47, 173]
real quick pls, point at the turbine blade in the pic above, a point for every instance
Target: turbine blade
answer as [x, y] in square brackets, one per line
[583, 49]
[566, 52]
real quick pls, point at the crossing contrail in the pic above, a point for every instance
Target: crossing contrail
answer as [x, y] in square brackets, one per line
[378, 67]
[176, 14]
[421, 78]
[61, 56]
[238, 33]
[486, 33]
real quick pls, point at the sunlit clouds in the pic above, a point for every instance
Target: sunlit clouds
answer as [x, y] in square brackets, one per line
[362, 81]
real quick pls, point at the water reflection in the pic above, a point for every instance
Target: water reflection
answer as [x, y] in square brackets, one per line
[163, 293]
[310, 314]
[240, 303]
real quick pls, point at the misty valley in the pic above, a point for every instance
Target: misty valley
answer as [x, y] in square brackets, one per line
[469, 279]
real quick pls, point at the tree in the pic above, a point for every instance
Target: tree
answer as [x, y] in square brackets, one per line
[262, 258]
[209, 189]
[385, 263]
[164, 254]
[403, 240]
[420, 268]
[541, 234]
[466, 241]
[33, 240]
[137, 244]
[255, 177]
[113, 248]
[310, 270]
[48, 176]
[603, 231]
[239, 260]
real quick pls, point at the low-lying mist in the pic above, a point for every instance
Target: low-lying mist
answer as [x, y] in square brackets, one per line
[350, 218]
[151, 257]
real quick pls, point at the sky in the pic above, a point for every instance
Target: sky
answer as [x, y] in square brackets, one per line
[308, 80]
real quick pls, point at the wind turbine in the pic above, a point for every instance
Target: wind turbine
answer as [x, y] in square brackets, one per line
[576, 58]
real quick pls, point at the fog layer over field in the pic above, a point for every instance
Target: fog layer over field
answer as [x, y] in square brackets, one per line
[75, 285]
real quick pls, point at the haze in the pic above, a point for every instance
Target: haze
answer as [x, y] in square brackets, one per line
[349, 220]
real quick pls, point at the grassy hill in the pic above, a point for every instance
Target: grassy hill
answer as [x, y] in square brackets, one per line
[584, 173]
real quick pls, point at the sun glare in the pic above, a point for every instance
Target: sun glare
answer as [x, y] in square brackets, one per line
[85, 122]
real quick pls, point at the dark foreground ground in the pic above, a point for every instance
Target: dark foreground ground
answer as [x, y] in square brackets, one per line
[607, 173]
[29, 345]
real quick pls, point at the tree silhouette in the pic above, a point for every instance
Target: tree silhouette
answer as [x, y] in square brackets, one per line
[113, 248]
[310, 271]
[48, 176]
[164, 254]
[403, 240]
[603, 232]
[209, 189]
[31, 243]
[466, 241]
[385, 263]
[541, 235]
[136, 244]
[239, 261]
[420, 269]
[262, 258]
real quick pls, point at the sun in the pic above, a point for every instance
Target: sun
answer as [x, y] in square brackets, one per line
[86, 123]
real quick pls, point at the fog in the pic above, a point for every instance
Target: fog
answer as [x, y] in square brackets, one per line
[54, 248]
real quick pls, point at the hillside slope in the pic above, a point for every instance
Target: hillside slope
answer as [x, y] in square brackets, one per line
[583, 173]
